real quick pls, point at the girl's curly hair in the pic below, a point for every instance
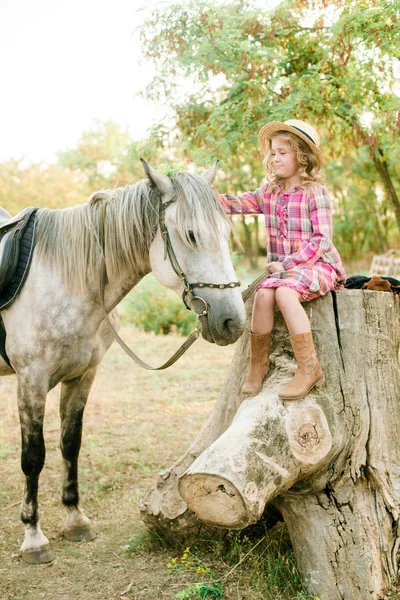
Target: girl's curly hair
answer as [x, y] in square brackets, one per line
[308, 162]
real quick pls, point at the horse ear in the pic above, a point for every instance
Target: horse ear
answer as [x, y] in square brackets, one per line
[161, 181]
[211, 172]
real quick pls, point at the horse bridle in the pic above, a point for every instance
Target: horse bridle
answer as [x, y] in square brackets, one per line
[187, 296]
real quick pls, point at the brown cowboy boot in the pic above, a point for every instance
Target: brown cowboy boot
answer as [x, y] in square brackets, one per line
[308, 373]
[259, 362]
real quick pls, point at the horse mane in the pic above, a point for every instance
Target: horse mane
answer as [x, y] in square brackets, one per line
[67, 239]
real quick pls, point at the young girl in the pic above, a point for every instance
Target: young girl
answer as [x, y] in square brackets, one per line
[302, 261]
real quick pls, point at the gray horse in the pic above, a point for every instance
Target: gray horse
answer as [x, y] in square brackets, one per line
[65, 336]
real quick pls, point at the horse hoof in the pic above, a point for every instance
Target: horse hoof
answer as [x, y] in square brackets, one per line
[79, 534]
[38, 556]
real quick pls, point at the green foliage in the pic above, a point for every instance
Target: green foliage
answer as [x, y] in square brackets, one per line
[99, 153]
[171, 169]
[265, 558]
[250, 65]
[151, 307]
[258, 558]
[364, 221]
[107, 157]
[333, 64]
[37, 185]
[147, 540]
[201, 591]
[189, 562]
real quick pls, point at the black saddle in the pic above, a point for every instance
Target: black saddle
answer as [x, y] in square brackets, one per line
[11, 233]
[17, 236]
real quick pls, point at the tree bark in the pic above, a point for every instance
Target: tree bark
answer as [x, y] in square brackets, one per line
[330, 463]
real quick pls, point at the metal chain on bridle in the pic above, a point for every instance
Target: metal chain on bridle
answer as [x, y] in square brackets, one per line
[189, 298]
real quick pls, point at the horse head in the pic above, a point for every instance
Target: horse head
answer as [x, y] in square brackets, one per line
[194, 225]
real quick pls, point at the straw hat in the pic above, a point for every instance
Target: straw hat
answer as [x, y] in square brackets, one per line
[305, 131]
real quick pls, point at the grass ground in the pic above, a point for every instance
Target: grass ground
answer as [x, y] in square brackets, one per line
[136, 423]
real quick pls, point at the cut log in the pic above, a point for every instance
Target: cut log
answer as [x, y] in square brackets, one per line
[163, 508]
[267, 449]
[330, 463]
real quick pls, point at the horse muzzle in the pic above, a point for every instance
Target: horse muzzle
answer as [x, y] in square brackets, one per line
[222, 322]
[226, 331]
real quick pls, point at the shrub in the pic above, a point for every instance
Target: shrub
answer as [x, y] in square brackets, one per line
[152, 307]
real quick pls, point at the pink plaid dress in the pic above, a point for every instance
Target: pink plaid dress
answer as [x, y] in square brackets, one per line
[299, 235]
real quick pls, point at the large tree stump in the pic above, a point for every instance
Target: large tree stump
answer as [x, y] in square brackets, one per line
[330, 463]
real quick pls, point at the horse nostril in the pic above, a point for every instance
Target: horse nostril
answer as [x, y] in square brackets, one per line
[227, 326]
[230, 327]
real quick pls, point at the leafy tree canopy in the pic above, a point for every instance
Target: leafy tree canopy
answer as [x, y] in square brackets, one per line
[228, 68]
[330, 63]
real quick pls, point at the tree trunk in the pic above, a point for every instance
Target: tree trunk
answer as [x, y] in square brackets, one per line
[330, 463]
[381, 166]
[249, 246]
[257, 240]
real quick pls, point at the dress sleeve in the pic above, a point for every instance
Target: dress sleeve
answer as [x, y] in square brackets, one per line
[321, 237]
[249, 203]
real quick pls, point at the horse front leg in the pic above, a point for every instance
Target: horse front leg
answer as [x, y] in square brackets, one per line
[74, 395]
[32, 393]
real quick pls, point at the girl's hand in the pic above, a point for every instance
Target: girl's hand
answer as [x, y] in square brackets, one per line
[274, 267]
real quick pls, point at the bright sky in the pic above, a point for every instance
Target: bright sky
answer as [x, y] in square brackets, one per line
[65, 63]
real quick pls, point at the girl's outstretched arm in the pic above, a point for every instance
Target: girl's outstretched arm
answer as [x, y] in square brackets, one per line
[250, 203]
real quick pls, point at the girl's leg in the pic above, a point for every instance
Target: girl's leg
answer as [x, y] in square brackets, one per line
[260, 335]
[294, 314]
[309, 373]
[263, 311]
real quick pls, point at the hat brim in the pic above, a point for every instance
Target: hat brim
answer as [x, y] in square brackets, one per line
[269, 129]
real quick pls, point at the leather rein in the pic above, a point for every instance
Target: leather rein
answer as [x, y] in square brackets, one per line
[187, 296]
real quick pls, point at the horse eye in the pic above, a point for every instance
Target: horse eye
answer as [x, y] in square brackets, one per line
[192, 237]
